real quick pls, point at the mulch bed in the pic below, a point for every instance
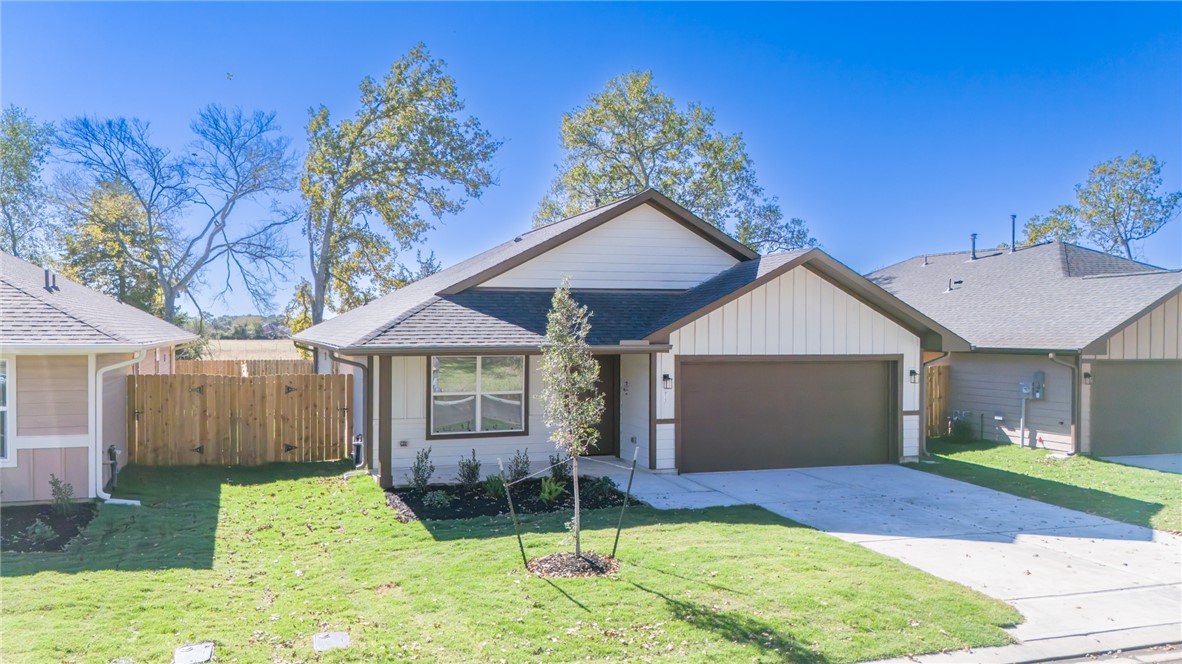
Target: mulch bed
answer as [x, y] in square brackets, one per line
[466, 503]
[16, 519]
[568, 565]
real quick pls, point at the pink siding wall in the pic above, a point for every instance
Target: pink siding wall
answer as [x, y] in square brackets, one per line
[29, 480]
[51, 397]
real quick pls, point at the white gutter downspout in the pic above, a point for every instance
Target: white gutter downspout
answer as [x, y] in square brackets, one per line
[96, 467]
[1076, 397]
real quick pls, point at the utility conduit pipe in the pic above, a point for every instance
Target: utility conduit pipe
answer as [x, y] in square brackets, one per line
[96, 452]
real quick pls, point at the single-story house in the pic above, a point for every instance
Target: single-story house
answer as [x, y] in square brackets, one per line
[712, 357]
[1100, 332]
[65, 353]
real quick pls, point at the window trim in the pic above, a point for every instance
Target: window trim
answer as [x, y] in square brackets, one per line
[9, 408]
[525, 399]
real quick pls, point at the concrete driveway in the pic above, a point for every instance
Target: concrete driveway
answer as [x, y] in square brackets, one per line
[1167, 463]
[1083, 583]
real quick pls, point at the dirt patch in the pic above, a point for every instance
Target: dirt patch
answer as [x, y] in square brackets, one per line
[568, 565]
[465, 502]
[18, 534]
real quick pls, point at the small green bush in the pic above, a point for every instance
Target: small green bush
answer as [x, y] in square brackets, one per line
[560, 468]
[596, 487]
[63, 496]
[519, 466]
[962, 430]
[551, 490]
[422, 470]
[39, 532]
[494, 487]
[437, 499]
[469, 475]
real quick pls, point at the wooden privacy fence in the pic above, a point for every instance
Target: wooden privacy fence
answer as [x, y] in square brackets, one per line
[179, 420]
[936, 418]
[243, 367]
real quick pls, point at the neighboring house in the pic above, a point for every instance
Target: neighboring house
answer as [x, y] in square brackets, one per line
[1114, 384]
[711, 357]
[65, 352]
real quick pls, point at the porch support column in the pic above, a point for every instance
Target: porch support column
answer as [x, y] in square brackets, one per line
[385, 420]
[652, 411]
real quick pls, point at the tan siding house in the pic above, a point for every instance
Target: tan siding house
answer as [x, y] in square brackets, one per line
[1102, 331]
[665, 290]
[65, 354]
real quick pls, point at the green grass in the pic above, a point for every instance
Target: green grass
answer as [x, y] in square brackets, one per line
[1134, 495]
[257, 560]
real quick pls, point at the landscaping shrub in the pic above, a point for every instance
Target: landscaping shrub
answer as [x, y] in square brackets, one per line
[551, 490]
[494, 487]
[39, 533]
[469, 475]
[560, 468]
[63, 496]
[597, 487]
[519, 466]
[437, 499]
[422, 470]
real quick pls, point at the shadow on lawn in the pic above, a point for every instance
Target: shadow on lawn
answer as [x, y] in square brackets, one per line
[739, 628]
[175, 528]
[1091, 501]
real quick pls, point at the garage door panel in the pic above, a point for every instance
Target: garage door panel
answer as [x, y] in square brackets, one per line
[1137, 408]
[752, 415]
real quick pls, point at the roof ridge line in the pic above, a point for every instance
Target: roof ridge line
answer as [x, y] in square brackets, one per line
[579, 214]
[1146, 273]
[60, 310]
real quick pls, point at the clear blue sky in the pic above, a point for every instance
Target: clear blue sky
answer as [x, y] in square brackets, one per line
[892, 129]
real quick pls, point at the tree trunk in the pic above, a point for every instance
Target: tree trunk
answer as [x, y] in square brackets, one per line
[574, 469]
[169, 296]
[1128, 249]
[319, 295]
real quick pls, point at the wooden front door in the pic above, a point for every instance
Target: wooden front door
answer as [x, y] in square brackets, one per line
[609, 425]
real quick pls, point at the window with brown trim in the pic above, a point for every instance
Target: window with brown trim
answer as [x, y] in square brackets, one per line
[474, 394]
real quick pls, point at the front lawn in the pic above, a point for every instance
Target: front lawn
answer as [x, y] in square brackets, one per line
[257, 560]
[1134, 495]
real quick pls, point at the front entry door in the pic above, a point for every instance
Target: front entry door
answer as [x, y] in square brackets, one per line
[609, 424]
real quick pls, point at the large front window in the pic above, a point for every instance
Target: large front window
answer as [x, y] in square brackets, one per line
[477, 394]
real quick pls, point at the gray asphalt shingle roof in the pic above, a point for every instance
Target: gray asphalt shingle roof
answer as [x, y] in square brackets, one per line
[71, 315]
[1055, 296]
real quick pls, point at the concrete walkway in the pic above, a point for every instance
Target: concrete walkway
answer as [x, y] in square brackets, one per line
[1083, 583]
[1167, 463]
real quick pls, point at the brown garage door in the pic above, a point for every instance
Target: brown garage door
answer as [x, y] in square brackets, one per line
[743, 415]
[1137, 407]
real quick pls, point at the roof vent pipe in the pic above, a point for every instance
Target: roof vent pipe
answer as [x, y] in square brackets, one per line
[53, 276]
[974, 239]
[1013, 232]
[48, 287]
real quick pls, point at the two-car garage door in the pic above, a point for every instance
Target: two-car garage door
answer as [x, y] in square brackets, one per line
[743, 415]
[1137, 407]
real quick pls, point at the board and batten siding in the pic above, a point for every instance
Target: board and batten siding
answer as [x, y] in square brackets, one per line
[408, 422]
[51, 395]
[985, 385]
[1156, 335]
[642, 248]
[798, 313]
[28, 480]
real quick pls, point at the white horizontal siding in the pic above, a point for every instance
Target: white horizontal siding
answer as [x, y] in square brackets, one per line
[408, 409]
[634, 404]
[665, 446]
[911, 435]
[798, 313]
[642, 248]
[986, 384]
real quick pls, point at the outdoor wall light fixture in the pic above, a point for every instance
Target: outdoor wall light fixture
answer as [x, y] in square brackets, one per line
[914, 376]
[667, 381]
[1087, 378]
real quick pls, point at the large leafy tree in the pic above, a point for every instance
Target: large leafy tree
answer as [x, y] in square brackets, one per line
[188, 208]
[632, 137]
[92, 254]
[1121, 203]
[573, 405]
[24, 147]
[375, 182]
